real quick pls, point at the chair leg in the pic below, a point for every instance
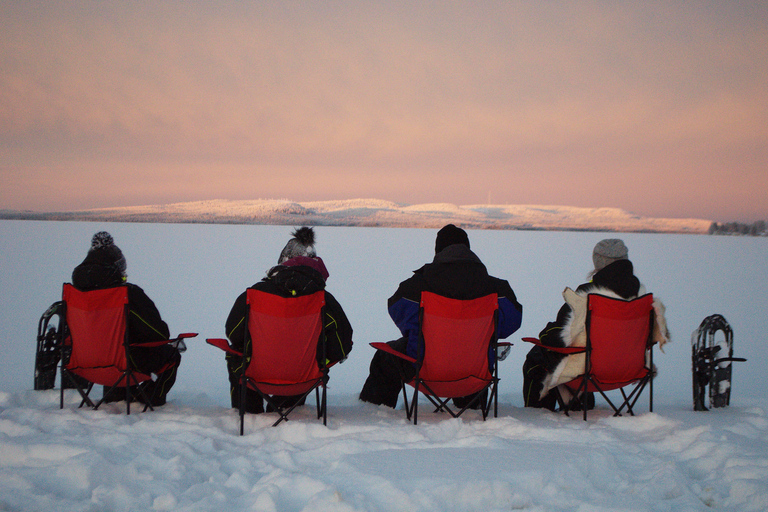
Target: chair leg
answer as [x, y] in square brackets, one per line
[405, 401]
[651, 375]
[243, 384]
[131, 380]
[650, 393]
[321, 398]
[325, 406]
[128, 395]
[283, 414]
[324, 385]
[626, 402]
[126, 376]
[561, 402]
[495, 398]
[647, 381]
[415, 403]
[495, 393]
[85, 399]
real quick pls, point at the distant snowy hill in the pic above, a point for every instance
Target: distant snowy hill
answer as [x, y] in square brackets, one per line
[375, 212]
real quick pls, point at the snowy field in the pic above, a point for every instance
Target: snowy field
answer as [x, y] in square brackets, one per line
[187, 455]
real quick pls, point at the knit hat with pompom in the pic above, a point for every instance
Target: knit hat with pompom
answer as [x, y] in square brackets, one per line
[103, 242]
[302, 243]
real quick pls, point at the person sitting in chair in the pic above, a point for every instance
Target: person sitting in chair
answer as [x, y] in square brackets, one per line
[299, 272]
[613, 276]
[455, 272]
[104, 267]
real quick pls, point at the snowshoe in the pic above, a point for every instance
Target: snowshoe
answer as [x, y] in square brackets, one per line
[711, 363]
[50, 337]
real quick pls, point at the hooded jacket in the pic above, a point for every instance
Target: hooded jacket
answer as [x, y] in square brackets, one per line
[100, 270]
[455, 272]
[296, 277]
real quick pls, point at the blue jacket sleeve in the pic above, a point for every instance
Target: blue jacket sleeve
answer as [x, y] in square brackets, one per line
[405, 313]
[510, 317]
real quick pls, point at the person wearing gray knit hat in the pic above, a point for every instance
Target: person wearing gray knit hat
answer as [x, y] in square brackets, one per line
[613, 275]
[608, 251]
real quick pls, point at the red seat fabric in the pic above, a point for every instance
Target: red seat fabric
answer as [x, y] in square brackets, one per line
[284, 335]
[619, 350]
[97, 324]
[618, 334]
[456, 335]
[283, 338]
[98, 343]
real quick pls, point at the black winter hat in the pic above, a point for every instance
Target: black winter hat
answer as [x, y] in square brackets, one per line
[302, 243]
[105, 244]
[450, 235]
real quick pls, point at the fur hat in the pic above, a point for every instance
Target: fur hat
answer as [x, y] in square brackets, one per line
[450, 235]
[608, 251]
[105, 244]
[302, 243]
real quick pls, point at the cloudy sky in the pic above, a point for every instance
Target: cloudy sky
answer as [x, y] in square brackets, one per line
[660, 108]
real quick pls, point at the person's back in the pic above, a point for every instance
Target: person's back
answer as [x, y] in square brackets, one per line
[299, 272]
[613, 275]
[105, 267]
[455, 272]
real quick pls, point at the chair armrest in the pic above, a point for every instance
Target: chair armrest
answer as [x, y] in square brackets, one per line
[177, 342]
[378, 345]
[502, 350]
[178, 338]
[559, 350]
[223, 345]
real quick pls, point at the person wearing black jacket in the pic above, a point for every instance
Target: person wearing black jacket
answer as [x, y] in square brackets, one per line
[299, 272]
[104, 267]
[455, 272]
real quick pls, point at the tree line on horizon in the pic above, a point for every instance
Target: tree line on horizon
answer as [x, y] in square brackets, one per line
[738, 228]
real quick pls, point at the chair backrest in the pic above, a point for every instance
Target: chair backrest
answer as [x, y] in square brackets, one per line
[457, 335]
[285, 334]
[97, 325]
[618, 334]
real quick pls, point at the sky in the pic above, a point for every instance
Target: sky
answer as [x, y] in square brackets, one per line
[659, 108]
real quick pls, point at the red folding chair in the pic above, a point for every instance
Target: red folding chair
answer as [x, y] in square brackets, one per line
[97, 348]
[284, 341]
[457, 337]
[619, 351]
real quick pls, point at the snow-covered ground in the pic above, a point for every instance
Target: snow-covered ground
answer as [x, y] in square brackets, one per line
[187, 455]
[380, 213]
